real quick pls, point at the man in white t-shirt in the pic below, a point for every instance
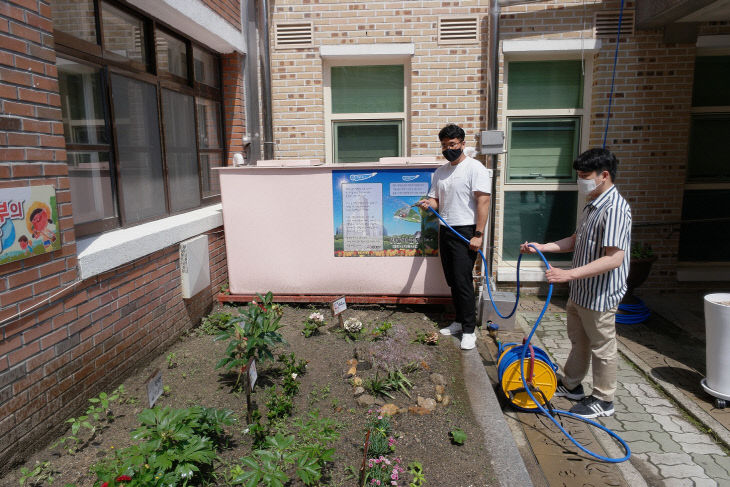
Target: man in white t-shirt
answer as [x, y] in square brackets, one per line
[460, 192]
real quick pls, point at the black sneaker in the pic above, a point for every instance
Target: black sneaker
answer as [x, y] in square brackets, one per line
[575, 393]
[592, 407]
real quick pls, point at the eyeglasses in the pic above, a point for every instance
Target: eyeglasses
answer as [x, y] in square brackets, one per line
[451, 145]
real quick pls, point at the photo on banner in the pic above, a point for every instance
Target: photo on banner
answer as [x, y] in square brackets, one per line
[28, 222]
[374, 216]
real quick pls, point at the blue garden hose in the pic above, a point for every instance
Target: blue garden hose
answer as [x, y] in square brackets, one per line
[524, 353]
[633, 314]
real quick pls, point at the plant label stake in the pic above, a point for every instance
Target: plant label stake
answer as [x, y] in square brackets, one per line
[361, 482]
[249, 380]
[338, 306]
[154, 387]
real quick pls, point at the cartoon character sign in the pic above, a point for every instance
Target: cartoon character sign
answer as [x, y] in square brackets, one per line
[39, 223]
[28, 222]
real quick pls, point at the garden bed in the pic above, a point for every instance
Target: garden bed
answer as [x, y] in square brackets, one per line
[420, 429]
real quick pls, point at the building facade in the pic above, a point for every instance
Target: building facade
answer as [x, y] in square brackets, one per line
[124, 109]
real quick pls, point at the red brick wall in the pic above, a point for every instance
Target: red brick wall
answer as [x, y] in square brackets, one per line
[233, 102]
[84, 336]
[228, 9]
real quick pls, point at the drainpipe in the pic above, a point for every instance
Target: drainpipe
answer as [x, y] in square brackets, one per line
[493, 79]
[251, 85]
[263, 30]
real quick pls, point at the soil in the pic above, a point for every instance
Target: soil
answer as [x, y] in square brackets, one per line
[193, 380]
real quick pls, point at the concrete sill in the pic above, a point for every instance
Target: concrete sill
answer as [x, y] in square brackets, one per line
[101, 253]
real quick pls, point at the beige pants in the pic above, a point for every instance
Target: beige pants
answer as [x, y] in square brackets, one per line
[593, 336]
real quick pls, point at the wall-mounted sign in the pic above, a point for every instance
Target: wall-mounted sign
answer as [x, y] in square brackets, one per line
[374, 216]
[28, 222]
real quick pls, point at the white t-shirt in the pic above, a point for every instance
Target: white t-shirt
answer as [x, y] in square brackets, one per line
[454, 187]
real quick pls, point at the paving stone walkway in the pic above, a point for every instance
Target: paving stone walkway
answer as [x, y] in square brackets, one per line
[667, 448]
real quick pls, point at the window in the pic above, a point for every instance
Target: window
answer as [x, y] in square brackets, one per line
[366, 112]
[545, 128]
[705, 212]
[141, 113]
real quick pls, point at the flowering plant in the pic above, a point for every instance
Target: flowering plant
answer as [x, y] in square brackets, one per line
[353, 325]
[312, 324]
[383, 471]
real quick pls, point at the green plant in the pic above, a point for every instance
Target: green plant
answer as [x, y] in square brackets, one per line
[257, 430]
[214, 323]
[640, 251]
[171, 360]
[279, 405]
[175, 446]
[377, 386]
[253, 334]
[40, 473]
[427, 338]
[312, 324]
[98, 413]
[383, 471]
[381, 442]
[306, 454]
[458, 437]
[397, 381]
[416, 470]
[381, 331]
[225, 288]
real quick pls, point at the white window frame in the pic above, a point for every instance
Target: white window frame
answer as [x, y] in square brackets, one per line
[713, 45]
[365, 59]
[545, 50]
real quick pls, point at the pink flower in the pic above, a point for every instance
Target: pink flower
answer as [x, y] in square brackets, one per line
[124, 478]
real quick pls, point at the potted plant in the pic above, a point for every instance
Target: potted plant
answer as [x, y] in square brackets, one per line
[642, 257]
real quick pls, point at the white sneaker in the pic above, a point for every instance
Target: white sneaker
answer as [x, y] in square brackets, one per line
[468, 341]
[453, 329]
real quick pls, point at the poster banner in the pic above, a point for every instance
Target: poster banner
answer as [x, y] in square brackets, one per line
[373, 216]
[28, 217]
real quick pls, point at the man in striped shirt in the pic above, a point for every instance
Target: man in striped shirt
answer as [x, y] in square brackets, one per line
[597, 280]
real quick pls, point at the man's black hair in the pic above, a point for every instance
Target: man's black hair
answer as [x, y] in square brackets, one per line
[452, 131]
[597, 160]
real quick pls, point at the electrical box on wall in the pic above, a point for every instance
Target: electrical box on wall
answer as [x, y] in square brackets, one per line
[194, 266]
[492, 142]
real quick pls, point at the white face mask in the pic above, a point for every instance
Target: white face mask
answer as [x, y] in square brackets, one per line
[586, 186]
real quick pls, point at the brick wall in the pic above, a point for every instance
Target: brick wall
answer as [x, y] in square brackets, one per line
[649, 127]
[89, 338]
[228, 9]
[447, 81]
[83, 336]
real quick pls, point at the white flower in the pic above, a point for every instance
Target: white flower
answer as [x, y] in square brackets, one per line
[353, 325]
[316, 317]
[294, 376]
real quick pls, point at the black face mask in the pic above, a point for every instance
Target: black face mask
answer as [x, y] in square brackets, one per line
[452, 154]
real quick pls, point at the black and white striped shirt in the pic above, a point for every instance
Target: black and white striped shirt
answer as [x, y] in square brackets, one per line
[605, 222]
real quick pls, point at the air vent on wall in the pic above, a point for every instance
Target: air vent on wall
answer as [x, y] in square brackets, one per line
[293, 35]
[458, 30]
[607, 23]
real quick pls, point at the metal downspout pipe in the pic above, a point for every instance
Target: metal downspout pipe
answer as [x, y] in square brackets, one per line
[493, 79]
[263, 31]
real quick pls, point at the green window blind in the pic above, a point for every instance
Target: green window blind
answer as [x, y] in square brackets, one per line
[537, 216]
[545, 85]
[367, 141]
[708, 155]
[542, 148]
[712, 79]
[367, 89]
[695, 238]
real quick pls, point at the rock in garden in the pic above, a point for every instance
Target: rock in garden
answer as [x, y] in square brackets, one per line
[352, 361]
[418, 410]
[365, 400]
[439, 398]
[446, 400]
[389, 409]
[359, 391]
[356, 381]
[351, 372]
[426, 403]
[440, 389]
[438, 379]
